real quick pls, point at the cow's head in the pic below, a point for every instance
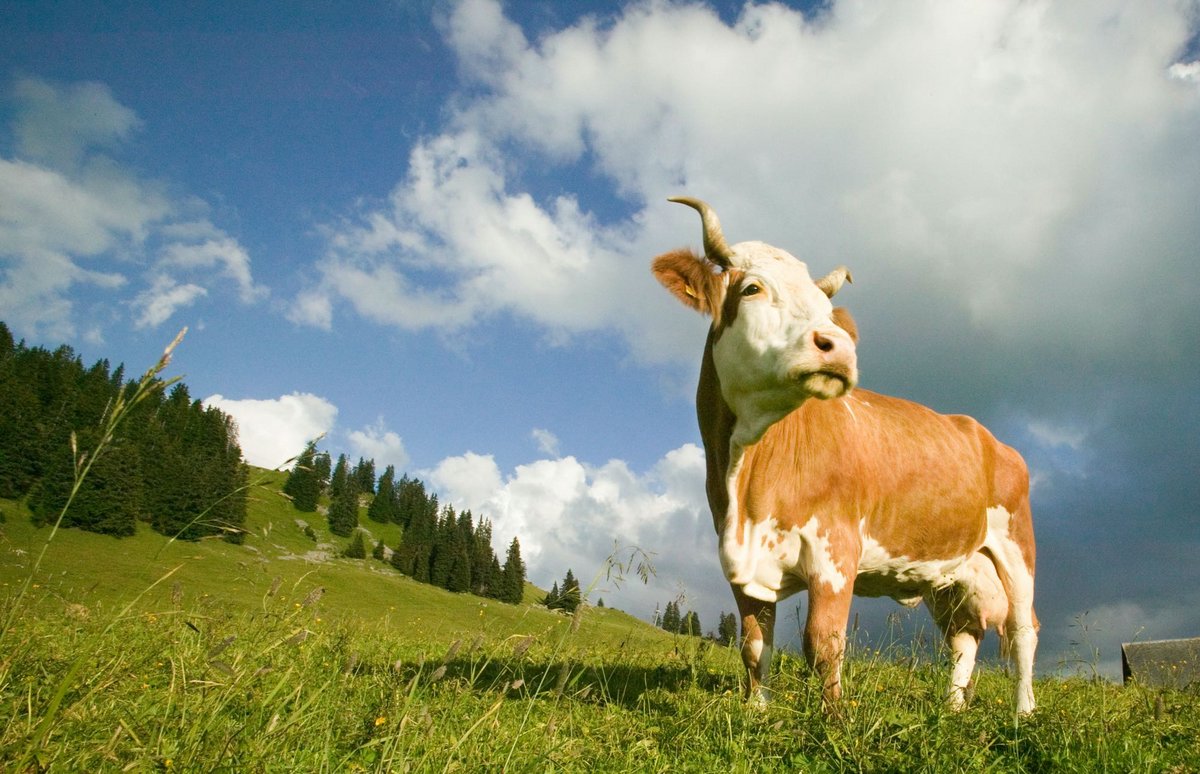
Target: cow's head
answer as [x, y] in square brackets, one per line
[776, 338]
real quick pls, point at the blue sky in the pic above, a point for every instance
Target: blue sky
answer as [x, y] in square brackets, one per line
[424, 228]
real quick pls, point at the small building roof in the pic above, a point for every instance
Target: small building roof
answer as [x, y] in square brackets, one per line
[1162, 663]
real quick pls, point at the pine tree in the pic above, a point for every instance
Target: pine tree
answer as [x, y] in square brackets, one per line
[553, 598]
[691, 624]
[416, 544]
[364, 476]
[727, 629]
[411, 500]
[321, 466]
[380, 551]
[22, 420]
[194, 477]
[303, 483]
[513, 574]
[569, 595]
[341, 478]
[383, 504]
[460, 573]
[357, 549]
[670, 618]
[343, 511]
[482, 559]
[447, 546]
[109, 499]
[497, 588]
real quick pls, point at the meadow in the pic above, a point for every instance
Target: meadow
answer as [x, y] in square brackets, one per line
[144, 654]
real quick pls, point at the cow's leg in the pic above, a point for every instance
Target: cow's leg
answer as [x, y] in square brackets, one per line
[963, 646]
[758, 635]
[963, 611]
[825, 637]
[1016, 574]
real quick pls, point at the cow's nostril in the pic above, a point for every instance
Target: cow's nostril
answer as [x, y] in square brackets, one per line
[824, 344]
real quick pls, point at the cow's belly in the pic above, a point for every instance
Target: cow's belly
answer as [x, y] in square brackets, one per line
[770, 564]
[881, 574]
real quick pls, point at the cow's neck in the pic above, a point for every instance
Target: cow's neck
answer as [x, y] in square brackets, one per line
[726, 452]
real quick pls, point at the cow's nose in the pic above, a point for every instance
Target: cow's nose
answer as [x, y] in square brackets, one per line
[823, 342]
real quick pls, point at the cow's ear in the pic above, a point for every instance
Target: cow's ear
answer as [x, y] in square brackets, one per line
[843, 320]
[690, 278]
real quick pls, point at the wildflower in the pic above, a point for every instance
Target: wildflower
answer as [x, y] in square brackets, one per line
[379, 721]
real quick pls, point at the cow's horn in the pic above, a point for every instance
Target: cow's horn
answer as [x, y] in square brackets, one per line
[831, 283]
[714, 241]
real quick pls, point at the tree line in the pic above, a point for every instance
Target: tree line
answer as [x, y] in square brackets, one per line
[672, 620]
[438, 545]
[174, 464]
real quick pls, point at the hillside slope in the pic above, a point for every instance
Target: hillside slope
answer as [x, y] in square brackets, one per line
[279, 563]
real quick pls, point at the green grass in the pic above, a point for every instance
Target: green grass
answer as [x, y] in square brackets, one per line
[148, 654]
[288, 689]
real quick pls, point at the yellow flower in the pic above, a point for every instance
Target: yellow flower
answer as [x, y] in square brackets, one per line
[379, 721]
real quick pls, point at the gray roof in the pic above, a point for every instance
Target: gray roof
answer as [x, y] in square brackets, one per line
[1163, 663]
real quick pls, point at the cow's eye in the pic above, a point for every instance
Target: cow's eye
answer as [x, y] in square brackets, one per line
[751, 290]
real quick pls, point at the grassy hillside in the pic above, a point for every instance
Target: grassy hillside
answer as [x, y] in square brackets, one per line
[101, 574]
[144, 654]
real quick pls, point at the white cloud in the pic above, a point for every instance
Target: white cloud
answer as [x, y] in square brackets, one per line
[380, 444]
[470, 480]
[70, 215]
[162, 299]
[547, 442]
[1050, 434]
[274, 431]
[1189, 71]
[312, 308]
[568, 514]
[57, 125]
[219, 251]
[996, 163]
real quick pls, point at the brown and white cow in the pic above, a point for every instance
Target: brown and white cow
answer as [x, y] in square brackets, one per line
[854, 493]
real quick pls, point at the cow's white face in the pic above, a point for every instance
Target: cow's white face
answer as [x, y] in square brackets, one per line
[775, 340]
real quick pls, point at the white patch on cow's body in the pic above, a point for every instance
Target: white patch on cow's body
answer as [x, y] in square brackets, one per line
[770, 563]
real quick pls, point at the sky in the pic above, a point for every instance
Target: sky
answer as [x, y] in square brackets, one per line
[423, 229]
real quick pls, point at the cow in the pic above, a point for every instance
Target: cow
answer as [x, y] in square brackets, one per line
[815, 484]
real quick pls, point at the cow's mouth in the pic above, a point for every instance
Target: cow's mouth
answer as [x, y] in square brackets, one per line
[829, 382]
